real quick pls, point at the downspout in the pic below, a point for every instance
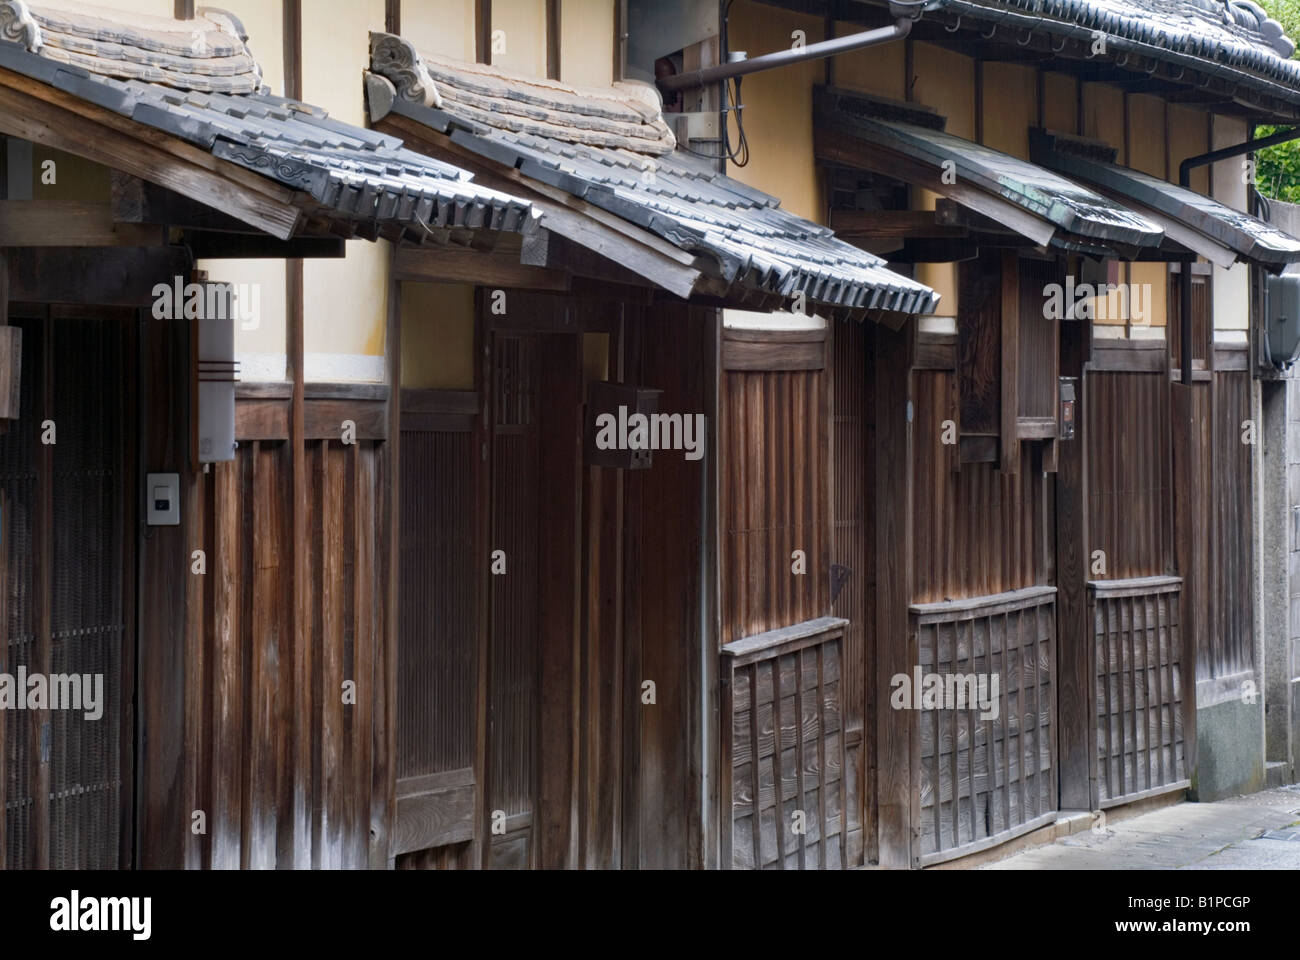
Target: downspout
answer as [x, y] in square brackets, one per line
[904, 12]
[1185, 276]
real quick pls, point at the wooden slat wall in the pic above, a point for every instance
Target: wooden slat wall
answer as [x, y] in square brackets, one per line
[775, 500]
[984, 780]
[1130, 482]
[784, 752]
[1202, 306]
[1138, 687]
[1232, 645]
[853, 542]
[438, 633]
[1037, 343]
[242, 678]
[978, 530]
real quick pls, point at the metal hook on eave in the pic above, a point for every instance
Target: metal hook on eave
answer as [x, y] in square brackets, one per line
[955, 27]
[1029, 37]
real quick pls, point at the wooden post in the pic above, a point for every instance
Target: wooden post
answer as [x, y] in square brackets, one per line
[11, 354]
[897, 732]
[1074, 634]
[1010, 362]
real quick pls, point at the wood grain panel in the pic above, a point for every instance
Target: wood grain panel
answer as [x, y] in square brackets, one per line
[987, 775]
[1138, 695]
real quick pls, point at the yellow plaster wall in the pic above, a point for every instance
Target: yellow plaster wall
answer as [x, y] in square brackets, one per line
[1060, 111]
[1187, 137]
[1146, 134]
[344, 302]
[1010, 107]
[438, 336]
[587, 42]
[524, 23]
[445, 27]
[778, 111]
[1103, 114]
[880, 70]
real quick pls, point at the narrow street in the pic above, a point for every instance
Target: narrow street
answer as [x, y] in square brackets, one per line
[1255, 831]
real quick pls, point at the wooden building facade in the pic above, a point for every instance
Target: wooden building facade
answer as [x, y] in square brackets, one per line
[425, 615]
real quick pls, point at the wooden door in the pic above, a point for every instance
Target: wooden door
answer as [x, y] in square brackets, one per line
[67, 480]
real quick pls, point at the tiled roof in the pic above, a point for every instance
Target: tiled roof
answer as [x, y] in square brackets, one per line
[197, 80]
[1067, 206]
[612, 148]
[1233, 42]
[1248, 237]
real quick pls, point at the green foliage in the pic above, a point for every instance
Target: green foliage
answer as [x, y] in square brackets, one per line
[1278, 170]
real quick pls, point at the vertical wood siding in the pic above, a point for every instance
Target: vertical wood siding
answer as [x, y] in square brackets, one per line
[243, 757]
[978, 531]
[774, 500]
[1129, 474]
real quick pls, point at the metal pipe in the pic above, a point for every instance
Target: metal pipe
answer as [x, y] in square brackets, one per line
[1185, 277]
[784, 58]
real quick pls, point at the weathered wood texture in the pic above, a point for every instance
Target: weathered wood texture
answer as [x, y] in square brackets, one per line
[978, 530]
[784, 749]
[1038, 340]
[775, 501]
[1232, 641]
[986, 774]
[67, 792]
[1130, 482]
[236, 669]
[1138, 689]
[853, 551]
[438, 615]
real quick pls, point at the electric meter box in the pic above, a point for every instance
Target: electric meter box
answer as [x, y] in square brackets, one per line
[1282, 318]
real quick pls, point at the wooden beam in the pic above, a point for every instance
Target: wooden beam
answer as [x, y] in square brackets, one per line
[111, 276]
[70, 223]
[892, 223]
[612, 237]
[1010, 462]
[43, 114]
[500, 267]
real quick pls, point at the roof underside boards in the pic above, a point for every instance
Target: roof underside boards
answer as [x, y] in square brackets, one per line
[1233, 45]
[1081, 217]
[612, 149]
[196, 80]
[1246, 236]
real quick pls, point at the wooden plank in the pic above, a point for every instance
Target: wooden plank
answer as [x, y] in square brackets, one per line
[740, 355]
[257, 420]
[324, 419]
[867, 224]
[500, 268]
[116, 276]
[70, 223]
[302, 830]
[1128, 356]
[433, 819]
[224, 822]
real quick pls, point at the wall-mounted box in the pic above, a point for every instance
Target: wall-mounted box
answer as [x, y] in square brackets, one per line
[162, 492]
[1282, 317]
[1068, 408]
[216, 372]
[609, 427]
